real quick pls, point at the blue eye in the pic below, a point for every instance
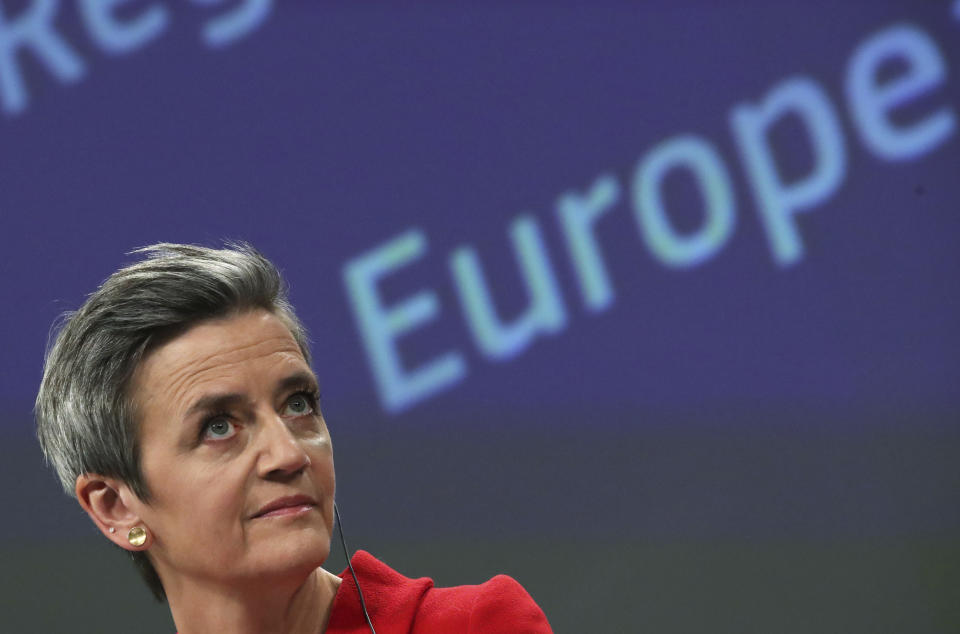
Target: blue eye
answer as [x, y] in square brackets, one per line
[298, 405]
[219, 429]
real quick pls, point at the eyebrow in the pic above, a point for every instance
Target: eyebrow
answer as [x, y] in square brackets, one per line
[299, 379]
[215, 402]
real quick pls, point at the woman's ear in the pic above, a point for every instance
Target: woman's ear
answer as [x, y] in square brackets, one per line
[101, 498]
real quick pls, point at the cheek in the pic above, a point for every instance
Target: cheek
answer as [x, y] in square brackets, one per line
[324, 478]
[320, 450]
[185, 500]
[324, 475]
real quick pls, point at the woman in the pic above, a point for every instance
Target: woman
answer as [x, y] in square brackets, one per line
[179, 407]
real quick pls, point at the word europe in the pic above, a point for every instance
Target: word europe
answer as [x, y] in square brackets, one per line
[871, 100]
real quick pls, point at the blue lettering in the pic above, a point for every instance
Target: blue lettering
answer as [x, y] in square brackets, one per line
[699, 157]
[776, 200]
[231, 26]
[117, 37]
[380, 326]
[578, 214]
[545, 313]
[870, 103]
[33, 29]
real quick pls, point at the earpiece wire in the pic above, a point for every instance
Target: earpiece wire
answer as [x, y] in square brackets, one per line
[346, 552]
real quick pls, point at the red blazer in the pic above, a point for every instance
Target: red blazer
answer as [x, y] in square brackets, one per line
[398, 605]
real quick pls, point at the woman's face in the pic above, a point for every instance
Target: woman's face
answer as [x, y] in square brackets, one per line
[235, 454]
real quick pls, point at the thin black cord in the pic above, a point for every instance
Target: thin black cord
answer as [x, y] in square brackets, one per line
[346, 552]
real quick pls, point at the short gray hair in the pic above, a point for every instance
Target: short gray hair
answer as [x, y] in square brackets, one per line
[85, 415]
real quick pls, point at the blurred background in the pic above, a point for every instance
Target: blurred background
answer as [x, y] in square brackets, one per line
[652, 306]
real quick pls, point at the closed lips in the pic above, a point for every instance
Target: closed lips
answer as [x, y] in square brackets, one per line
[285, 502]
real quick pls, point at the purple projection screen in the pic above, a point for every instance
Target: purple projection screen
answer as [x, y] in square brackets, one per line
[687, 271]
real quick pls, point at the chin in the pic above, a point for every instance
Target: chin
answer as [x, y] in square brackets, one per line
[299, 552]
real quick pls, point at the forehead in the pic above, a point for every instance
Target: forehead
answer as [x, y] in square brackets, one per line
[218, 351]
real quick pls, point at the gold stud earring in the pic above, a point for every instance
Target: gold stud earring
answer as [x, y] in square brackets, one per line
[137, 536]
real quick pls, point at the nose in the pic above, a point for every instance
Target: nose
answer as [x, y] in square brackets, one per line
[281, 453]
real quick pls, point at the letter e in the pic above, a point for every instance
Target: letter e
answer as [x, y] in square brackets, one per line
[380, 326]
[871, 103]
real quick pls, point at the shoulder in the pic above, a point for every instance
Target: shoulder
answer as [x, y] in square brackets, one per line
[499, 605]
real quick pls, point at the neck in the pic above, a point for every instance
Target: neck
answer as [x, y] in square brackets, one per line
[277, 608]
